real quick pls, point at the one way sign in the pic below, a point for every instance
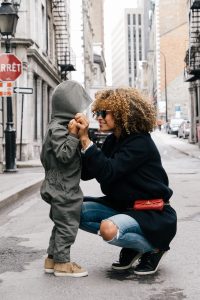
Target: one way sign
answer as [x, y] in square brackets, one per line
[22, 90]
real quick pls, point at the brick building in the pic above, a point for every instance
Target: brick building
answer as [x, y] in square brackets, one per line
[173, 44]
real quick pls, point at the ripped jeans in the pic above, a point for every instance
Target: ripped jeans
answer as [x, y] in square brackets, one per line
[129, 233]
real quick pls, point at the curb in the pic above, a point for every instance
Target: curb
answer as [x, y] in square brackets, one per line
[183, 147]
[25, 165]
[19, 194]
[186, 152]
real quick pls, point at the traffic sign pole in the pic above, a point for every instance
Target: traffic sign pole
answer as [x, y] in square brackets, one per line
[10, 70]
[22, 116]
[10, 140]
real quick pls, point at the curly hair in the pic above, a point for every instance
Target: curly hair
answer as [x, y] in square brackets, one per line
[132, 112]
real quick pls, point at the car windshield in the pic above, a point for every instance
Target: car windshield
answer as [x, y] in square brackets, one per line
[176, 121]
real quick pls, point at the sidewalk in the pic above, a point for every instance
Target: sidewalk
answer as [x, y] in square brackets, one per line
[181, 145]
[16, 184]
[30, 173]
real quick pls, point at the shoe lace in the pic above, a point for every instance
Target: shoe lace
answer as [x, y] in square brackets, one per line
[126, 254]
[75, 266]
[144, 259]
[120, 256]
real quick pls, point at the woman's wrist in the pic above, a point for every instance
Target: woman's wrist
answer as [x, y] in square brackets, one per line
[83, 151]
[85, 142]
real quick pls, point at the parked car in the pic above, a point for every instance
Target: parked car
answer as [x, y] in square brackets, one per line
[97, 136]
[173, 126]
[184, 129]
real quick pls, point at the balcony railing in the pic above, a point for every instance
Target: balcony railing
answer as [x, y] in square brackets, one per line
[65, 56]
[192, 62]
[192, 58]
[194, 4]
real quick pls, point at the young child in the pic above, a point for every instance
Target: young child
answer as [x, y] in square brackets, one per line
[60, 157]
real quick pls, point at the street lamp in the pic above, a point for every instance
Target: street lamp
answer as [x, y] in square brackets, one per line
[8, 23]
[165, 80]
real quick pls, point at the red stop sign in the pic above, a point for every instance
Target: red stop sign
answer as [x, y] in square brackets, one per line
[10, 67]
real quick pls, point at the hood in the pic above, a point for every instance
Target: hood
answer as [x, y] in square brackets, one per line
[69, 98]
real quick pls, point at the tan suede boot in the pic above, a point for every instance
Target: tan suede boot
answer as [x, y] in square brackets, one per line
[69, 269]
[49, 265]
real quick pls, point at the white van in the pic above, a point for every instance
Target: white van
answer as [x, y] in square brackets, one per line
[174, 126]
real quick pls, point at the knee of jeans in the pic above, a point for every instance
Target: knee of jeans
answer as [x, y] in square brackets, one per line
[108, 230]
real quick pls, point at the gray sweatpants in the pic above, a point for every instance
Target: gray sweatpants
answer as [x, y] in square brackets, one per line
[65, 213]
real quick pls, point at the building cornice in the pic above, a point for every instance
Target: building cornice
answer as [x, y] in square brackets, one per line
[32, 53]
[17, 41]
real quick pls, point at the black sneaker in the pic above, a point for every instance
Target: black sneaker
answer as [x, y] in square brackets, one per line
[127, 257]
[149, 263]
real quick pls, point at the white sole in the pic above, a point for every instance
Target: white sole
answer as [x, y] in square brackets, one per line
[146, 273]
[151, 272]
[49, 271]
[130, 265]
[77, 275]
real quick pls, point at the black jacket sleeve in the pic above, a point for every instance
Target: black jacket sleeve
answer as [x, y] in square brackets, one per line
[128, 157]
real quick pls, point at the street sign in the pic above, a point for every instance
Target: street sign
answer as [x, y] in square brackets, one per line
[6, 89]
[10, 67]
[22, 90]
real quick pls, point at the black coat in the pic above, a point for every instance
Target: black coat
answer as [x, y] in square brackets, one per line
[129, 169]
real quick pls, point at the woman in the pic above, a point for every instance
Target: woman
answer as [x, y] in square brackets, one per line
[128, 168]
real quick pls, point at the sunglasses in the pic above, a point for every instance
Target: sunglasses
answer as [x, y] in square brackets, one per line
[101, 113]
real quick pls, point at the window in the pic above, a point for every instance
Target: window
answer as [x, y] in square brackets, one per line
[54, 43]
[134, 44]
[48, 36]
[134, 19]
[135, 71]
[48, 104]
[42, 110]
[36, 21]
[140, 44]
[139, 20]
[44, 31]
[35, 108]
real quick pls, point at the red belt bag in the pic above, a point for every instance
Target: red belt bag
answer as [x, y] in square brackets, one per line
[153, 204]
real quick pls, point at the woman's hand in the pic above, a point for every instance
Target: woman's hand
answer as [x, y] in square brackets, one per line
[83, 125]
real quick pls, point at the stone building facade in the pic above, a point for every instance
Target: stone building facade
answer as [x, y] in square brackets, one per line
[37, 43]
[43, 42]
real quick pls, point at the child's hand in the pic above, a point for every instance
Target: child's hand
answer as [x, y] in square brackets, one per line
[82, 124]
[72, 127]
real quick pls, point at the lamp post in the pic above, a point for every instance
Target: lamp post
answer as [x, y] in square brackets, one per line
[8, 23]
[165, 81]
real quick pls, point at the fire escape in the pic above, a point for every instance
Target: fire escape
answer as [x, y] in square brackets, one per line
[192, 58]
[65, 57]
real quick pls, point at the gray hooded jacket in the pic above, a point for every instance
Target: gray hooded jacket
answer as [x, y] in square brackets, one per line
[60, 154]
